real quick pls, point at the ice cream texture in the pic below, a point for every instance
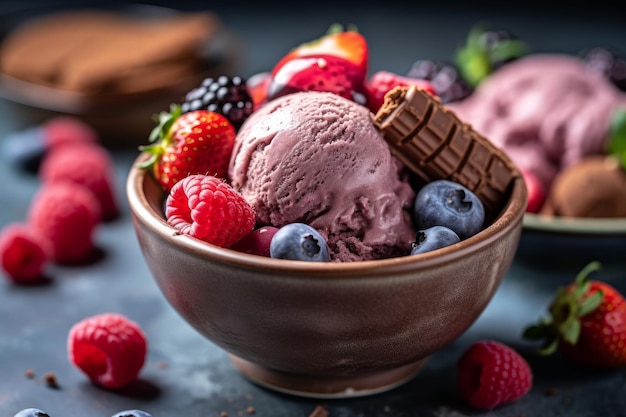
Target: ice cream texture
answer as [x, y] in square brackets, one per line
[317, 158]
[547, 111]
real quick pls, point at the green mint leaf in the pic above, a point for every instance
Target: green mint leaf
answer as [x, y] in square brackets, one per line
[617, 137]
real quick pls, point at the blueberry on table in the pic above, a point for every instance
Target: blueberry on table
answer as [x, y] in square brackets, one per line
[31, 412]
[299, 242]
[450, 204]
[25, 149]
[435, 237]
[132, 413]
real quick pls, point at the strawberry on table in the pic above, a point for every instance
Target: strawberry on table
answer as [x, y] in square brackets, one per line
[196, 142]
[587, 323]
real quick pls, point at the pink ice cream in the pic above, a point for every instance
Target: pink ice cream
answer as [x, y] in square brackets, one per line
[317, 158]
[547, 111]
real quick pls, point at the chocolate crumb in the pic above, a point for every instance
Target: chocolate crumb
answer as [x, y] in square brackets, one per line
[30, 374]
[319, 411]
[223, 414]
[250, 410]
[51, 380]
[566, 400]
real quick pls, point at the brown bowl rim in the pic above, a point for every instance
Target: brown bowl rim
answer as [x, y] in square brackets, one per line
[510, 217]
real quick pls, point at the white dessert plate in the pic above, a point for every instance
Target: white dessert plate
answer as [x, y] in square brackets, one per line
[563, 241]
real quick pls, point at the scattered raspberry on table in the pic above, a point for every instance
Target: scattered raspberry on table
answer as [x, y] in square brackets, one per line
[109, 348]
[491, 374]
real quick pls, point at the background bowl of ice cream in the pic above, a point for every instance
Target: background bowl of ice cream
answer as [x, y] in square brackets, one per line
[325, 329]
[555, 115]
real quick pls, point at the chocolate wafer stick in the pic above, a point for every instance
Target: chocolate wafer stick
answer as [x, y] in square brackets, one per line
[435, 144]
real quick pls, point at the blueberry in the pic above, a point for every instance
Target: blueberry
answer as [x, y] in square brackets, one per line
[26, 149]
[31, 412]
[300, 242]
[447, 203]
[132, 413]
[433, 238]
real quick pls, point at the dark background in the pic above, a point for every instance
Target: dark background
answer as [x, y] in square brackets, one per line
[185, 374]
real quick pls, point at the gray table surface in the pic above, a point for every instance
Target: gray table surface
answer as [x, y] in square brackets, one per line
[186, 374]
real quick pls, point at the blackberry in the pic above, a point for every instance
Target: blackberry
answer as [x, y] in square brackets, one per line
[606, 63]
[228, 96]
[445, 78]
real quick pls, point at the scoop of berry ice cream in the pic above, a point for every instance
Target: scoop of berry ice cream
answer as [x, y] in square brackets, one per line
[547, 111]
[317, 158]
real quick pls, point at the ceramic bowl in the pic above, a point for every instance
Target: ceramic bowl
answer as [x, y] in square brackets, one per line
[325, 329]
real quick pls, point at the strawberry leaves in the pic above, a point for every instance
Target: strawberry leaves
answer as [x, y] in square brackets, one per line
[570, 304]
[160, 136]
[587, 323]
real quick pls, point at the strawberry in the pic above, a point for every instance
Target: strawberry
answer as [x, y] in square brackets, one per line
[587, 323]
[383, 81]
[320, 73]
[196, 142]
[258, 85]
[347, 44]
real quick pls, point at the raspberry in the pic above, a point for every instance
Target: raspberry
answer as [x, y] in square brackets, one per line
[61, 130]
[88, 165]
[383, 81]
[491, 374]
[209, 209]
[66, 214]
[23, 253]
[109, 348]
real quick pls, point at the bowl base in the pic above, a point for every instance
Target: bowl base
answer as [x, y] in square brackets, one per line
[327, 387]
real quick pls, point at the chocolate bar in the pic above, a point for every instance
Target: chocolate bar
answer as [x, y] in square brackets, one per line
[435, 144]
